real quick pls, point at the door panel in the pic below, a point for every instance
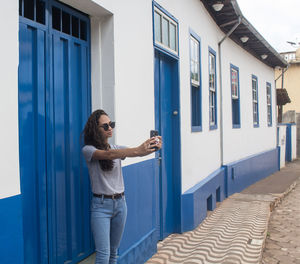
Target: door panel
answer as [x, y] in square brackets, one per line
[54, 103]
[166, 82]
[32, 142]
[70, 186]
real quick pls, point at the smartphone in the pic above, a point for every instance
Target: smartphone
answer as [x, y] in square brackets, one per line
[154, 133]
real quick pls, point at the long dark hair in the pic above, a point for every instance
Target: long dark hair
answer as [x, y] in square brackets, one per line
[92, 136]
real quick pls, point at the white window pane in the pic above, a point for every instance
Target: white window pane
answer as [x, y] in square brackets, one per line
[212, 81]
[195, 71]
[234, 85]
[173, 36]
[212, 62]
[157, 26]
[196, 47]
[165, 32]
[192, 49]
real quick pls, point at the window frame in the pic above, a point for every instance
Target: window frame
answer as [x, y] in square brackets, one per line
[171, 20]
[194, 61]
[235, 97]
[255, 102]
[214, 125]
[269, 122]
[193, 85]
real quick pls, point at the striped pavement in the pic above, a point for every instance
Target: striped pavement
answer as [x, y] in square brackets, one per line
[234, 233]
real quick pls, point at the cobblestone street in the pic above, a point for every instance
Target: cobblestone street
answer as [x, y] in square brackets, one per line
[283, 239]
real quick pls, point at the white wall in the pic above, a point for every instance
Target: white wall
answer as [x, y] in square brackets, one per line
[134, 73]
[123, 83]
[281, 143]
[200, 150]
[9, 54]
[294, 142]
[134, 87]
[247, 140]
[122, 66]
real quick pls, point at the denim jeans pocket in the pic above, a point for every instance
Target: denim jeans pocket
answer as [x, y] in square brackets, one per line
[98, 203]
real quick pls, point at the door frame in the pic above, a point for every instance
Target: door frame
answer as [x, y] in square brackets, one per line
[176, 155]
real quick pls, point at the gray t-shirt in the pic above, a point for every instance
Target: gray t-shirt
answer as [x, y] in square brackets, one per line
[104, 182]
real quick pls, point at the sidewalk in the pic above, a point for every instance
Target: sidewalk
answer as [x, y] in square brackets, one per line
[236, 231]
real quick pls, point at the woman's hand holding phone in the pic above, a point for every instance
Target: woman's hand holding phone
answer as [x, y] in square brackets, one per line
[156, 145]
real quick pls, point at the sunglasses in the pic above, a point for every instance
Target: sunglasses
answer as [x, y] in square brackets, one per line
[106, 126]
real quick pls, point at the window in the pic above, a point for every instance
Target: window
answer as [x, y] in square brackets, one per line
[235, 97]
[212, 89]
[194, 55]
[195, 82]
[33, 10]
[255, 101]
[269, 104]
[165, 31]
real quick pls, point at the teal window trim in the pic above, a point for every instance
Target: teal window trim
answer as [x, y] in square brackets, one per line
[158, 43]
[269, 117]
[235, 98]
[196, 87]
[213, 108]
[255, 101]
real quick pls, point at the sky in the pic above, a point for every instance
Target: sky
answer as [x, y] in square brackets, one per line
[278, 21]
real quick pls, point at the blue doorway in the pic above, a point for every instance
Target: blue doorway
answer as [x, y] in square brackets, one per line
[167, 122]
[54, 103]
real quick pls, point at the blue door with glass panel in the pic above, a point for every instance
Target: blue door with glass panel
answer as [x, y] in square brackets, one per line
[167, 123]
[167, 120]
[54, 103]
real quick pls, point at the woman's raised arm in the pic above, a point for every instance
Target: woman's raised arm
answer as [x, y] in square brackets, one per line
[144, 149]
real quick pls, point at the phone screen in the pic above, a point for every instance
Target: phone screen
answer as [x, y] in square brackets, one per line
[153, 133]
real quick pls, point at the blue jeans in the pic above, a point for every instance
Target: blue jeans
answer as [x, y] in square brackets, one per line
[108, 219]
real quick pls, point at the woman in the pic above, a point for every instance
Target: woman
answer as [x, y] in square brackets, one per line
[108, 207]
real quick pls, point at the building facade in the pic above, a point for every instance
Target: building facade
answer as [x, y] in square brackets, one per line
[291, 82]
[291, 79]
[179, 68]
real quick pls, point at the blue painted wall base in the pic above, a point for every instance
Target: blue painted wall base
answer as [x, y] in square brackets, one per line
[224, 182]
[243, 173]
[196, 200]
[140, 234]
[11, 230]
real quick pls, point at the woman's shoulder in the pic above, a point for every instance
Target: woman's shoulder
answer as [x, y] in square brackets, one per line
[88, 147]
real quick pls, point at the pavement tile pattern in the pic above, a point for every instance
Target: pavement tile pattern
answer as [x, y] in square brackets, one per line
[233, 233]
[236, 232]
[283, 238]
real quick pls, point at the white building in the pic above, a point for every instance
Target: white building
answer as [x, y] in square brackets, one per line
[167, 65]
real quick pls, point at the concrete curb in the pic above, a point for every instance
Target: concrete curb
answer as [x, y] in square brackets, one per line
[280, 196]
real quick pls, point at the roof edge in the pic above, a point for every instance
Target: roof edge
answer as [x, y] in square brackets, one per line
[256, 33]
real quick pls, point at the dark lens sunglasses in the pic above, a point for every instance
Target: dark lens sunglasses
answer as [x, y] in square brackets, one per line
[106, 126]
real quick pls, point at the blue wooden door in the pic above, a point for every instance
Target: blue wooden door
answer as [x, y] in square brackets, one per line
[32, 141]
[54, 103]
[167, 122]
[288, 143]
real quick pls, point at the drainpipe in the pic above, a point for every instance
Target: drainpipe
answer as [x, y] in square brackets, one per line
[221, 92]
